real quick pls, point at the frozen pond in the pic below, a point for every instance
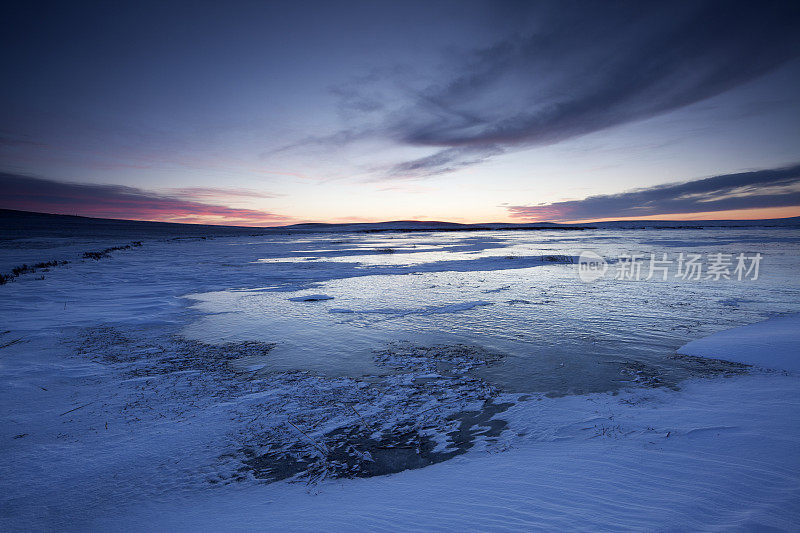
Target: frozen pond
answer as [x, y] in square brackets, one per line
[512, 292]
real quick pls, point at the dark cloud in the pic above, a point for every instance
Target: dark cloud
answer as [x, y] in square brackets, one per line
[353, 97]
[116, 201]
[746, 190]
[443, 161]
[579, 68]
[336, 140]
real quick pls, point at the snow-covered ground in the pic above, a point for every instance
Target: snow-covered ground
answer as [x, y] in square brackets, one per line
[769, 344]
[397, 382]
[719, 456]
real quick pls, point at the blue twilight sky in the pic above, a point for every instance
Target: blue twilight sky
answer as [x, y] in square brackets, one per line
[278, 112]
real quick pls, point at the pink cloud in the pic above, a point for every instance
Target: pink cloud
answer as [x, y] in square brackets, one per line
[118, 201]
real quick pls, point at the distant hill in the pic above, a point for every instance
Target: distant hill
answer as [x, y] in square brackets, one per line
[16, 224]
[417, 225]
[421, 225]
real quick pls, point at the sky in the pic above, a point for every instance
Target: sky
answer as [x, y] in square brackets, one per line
[271, 113]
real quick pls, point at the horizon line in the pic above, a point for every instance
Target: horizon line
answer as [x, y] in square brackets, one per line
[652, 218]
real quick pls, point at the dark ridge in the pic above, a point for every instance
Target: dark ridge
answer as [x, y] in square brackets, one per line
[478, 228]
[25, 224]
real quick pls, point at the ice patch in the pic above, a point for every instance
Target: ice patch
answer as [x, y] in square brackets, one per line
[311, 298]
[429, 310]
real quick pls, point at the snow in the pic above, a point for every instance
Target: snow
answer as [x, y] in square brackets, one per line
[774, 343]
[718, 456]
[165, 387]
